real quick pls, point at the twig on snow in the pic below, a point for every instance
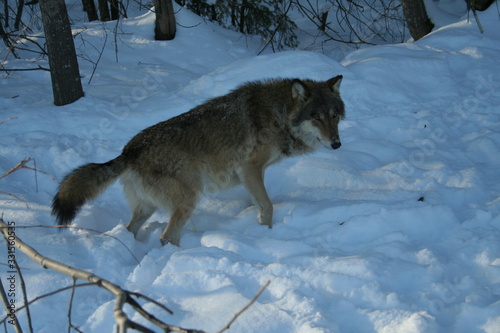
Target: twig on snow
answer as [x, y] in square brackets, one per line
[22, 165]
[6, 120]
[84, 229]
[18, 198]
[261, 290]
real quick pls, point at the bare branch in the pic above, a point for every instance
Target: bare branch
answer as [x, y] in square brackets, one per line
[18, 198]
[6, 120]
[18, 166]
[122, 296]
[152, 301]
[36, 299]
[25, 294]
[8, 42]
[22, 165]
[24, 69]
[5, 302]
[100, 55]
[70, 308]
[356, 22]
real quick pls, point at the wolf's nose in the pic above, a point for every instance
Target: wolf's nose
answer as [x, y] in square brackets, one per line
[336, 145]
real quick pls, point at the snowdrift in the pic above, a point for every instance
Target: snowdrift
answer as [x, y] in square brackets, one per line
[397, 231]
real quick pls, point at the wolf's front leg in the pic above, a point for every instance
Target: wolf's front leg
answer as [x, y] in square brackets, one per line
[266, 214]
[253, 179]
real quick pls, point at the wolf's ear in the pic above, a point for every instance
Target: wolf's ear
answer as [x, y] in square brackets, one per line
[300, 90]
[334, 83]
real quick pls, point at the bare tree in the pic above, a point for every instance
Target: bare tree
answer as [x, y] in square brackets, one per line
[64, 72]
[165, 20]
[20, 6]
[356, 22]
[416, 17]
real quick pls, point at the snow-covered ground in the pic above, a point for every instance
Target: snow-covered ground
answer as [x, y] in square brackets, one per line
[397, 231]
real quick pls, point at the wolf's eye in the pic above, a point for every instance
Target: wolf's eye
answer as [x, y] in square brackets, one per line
[316, 116]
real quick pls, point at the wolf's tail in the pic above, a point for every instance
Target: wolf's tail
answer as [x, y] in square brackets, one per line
[83, 184]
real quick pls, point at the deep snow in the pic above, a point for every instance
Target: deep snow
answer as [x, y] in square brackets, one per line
[397, 231]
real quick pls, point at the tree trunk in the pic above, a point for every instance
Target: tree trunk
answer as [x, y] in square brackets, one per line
[66, 84]
[20, 6]
[104, 10]
[115, 12]
[416, 17]
[242, 16]
[234, 18]
[479, 4]
[165, 20]
[89, 8]
[323, 21]
[6, 13]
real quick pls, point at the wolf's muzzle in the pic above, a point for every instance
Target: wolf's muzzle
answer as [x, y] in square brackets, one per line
[336, 144]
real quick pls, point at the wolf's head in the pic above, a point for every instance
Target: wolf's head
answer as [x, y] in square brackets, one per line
[318, 111]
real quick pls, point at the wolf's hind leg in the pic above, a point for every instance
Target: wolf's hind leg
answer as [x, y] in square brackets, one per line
[183, 204]
[141, 214]
[141, 207]
[179, 218]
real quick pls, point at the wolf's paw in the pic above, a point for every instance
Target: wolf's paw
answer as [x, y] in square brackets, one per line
[265, 220]
[167, 241]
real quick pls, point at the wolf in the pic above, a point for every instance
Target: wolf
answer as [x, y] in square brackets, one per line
[226, 141]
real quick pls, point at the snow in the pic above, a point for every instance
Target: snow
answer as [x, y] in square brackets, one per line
[397, 231]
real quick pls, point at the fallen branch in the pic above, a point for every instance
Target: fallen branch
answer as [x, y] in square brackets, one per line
[122, 296]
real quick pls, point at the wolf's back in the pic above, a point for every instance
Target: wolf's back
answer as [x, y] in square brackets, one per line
[83, 184]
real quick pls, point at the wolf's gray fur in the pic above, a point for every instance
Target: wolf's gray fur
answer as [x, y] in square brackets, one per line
[226, 141]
